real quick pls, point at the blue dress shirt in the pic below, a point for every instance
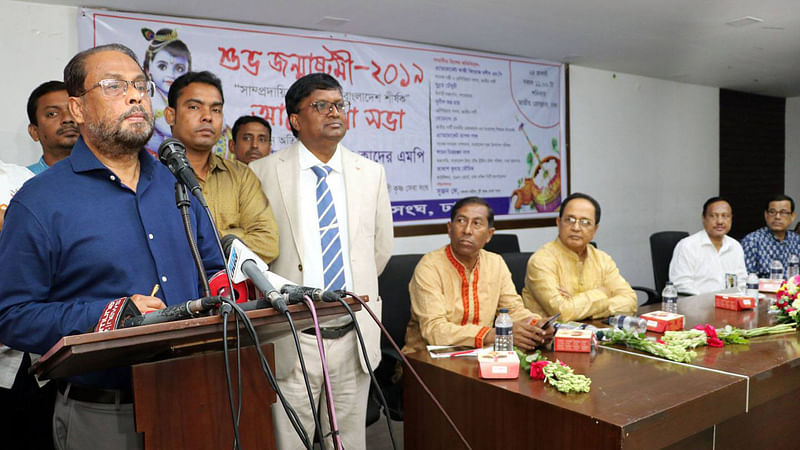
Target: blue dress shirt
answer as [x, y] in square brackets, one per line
[761, 247]
[76, 238]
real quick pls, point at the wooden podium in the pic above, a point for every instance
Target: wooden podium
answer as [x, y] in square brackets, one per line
[179, 385]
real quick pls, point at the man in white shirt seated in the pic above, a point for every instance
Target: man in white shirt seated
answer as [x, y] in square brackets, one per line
[702, 262]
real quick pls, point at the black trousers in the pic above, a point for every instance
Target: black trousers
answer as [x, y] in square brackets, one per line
[26, 412]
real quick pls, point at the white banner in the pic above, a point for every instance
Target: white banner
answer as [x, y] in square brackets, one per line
[445, 123]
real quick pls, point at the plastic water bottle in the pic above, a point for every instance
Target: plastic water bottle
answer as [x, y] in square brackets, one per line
[630, 323]
[504, 338]
[570, 326]
[669, 298]
[775, 270]
[752, 286]
[793, 267]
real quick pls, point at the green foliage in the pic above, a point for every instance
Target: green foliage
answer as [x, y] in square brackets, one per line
[564, 379]
[525, 359]
[674, 352]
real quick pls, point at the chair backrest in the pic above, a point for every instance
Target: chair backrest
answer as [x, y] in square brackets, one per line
[393, 289]
[517, 263]
[662, 244]
[502, 243]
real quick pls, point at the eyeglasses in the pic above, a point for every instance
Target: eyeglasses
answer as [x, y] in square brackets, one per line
[324, 107]
[583, 223]
[772, 213]
[116, 88]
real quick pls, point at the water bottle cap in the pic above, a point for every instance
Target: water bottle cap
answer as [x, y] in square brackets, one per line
[503, 310]
[669, 283]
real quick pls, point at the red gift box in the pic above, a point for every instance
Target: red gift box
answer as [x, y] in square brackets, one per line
[734, 302]
[579, 341]
[661, 321]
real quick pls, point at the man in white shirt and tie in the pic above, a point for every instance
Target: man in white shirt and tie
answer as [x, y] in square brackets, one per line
[335, 227]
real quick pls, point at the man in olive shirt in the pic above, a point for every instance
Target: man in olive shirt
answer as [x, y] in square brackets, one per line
[232, 190]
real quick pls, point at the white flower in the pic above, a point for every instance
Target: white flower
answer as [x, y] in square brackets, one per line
[792, 313]
[796, 304]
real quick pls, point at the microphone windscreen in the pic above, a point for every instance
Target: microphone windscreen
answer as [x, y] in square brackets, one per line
[169, 146]
[218, 285]
[227, 243]
[116, 313]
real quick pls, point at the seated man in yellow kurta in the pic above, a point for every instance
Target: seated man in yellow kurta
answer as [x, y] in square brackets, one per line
[457, 290]
[572, 277]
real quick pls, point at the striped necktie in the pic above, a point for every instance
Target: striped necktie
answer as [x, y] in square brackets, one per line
[333, 267]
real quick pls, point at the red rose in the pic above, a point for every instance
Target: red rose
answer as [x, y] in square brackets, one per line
[536, 369]
[711, 335]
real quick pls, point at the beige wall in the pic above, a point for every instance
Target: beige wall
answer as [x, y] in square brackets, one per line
[37, 42]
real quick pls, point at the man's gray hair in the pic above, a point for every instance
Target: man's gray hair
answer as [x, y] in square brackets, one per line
[75, 71]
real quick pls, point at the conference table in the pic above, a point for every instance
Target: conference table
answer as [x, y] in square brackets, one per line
[737, 396]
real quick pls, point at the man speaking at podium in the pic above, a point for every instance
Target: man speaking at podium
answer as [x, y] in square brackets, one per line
[99, 226]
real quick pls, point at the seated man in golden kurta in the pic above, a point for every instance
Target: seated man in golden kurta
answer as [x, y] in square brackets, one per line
[457, 290]
[570, 276]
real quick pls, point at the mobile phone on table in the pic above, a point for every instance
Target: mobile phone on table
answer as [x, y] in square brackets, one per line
[459, 348]
[550, 321]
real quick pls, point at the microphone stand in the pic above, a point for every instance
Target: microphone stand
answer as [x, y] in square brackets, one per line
[183, 203]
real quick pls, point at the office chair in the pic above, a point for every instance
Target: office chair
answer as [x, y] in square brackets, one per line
[662, 244]
[396, 312]
[503, 243]
[652, 295]
[517, 263]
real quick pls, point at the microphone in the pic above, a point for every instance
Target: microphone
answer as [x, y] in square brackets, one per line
[296, 293]
[186, 310]
[172, 153]
[244, 264]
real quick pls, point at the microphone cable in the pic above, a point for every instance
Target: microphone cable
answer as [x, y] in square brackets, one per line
[226, 309]
[335, 436]
[374, 380]
[411, 369]
[287, 407]
[183, 203]
[290, 412]
[305, 378]
[221, 252]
